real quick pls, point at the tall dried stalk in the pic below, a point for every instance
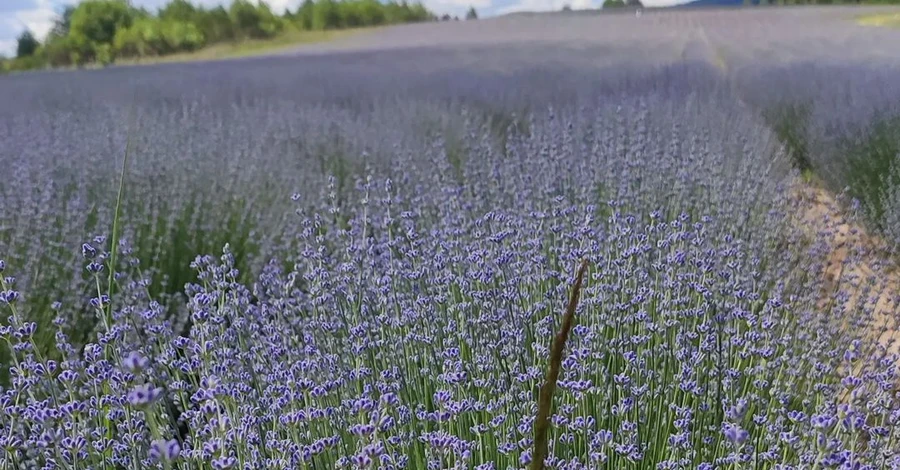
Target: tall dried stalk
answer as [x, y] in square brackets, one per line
[545, 402]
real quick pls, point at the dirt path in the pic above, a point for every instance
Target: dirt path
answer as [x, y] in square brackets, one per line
[858, 272]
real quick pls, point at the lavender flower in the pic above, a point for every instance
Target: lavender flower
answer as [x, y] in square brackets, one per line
[164, 450]
[144, 394]
[134, 361]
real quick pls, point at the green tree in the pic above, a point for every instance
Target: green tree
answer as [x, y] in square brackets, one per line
[471, 14]
[305, 14]
[180, 36]
[93, 28]
[215, 25]
[613, 3]
[398, 12]
[254, 21]
[418, 13]
[103, 54]
[179, 10]
[133, 41]
[58, 51]
[327, 15]
[26, 44]
[96, 21]
[350, 14]
[62, 23]
[372, 13]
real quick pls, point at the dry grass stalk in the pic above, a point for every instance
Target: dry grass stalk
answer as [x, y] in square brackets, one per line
[545, 402]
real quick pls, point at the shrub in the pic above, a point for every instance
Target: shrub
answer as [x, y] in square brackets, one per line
[790, 121]
[870, 166]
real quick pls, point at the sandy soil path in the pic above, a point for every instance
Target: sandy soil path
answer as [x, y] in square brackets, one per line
[858, 272]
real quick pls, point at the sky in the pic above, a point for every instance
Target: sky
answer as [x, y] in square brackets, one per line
[38, 15]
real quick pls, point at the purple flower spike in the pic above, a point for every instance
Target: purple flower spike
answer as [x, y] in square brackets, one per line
[9, 297]
[224, 463]
[94, 268]
[87, 251]
[135, 362]
[735, 434]
[144, 394]
[164, 451]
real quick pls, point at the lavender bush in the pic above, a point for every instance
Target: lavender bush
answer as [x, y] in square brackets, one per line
[318, 267]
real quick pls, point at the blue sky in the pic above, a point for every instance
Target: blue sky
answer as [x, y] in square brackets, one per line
[38, 15]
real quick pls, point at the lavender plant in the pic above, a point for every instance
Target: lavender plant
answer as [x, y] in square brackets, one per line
[391, 264]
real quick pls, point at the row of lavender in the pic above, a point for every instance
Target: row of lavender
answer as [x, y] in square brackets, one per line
[843, 121]
[828, 87]
[395, 270]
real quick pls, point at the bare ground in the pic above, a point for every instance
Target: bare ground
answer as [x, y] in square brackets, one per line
[858, 272]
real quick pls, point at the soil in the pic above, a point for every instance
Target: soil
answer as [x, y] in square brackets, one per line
[858, 264]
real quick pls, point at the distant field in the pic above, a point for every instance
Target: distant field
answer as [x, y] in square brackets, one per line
[884, 19]
[280, 43]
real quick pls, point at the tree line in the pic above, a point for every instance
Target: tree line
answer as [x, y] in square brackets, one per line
[101, 31]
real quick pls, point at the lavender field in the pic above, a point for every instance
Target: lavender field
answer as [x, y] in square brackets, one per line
[357, 255]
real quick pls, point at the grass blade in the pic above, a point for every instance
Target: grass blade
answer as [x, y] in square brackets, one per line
[114, 236]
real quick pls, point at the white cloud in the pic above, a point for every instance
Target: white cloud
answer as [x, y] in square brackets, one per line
[38, 19]
[537, 5]
[7, 47]
[278, 6]
[458, 7]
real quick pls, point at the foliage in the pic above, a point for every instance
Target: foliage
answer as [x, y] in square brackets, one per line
[613, 3]
[96, 22]
[179, 10]
[63, 23]
[327, 15]
[254, 21]
[216, 25]
[20, 64]
[26, 44]
[59, 51]
[871, 168]
[98, 31]
[149, 37]
[304, 18]
[471, 14]
[789, 121]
